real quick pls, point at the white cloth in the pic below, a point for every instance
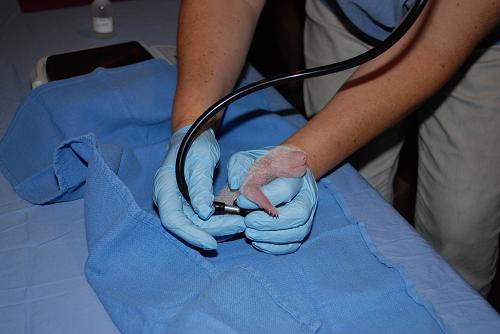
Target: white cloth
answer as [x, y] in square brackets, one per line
[458, 194]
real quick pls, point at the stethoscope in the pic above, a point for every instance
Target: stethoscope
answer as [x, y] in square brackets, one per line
[198, 125]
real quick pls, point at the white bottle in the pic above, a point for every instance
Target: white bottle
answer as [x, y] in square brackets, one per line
[102, 18]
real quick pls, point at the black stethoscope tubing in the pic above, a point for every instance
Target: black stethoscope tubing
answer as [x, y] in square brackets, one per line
[199, 124]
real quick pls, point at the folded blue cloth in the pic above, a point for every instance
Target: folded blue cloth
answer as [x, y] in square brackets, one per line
[104, 134]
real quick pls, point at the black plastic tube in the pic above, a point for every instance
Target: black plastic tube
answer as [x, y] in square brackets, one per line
[199, 124]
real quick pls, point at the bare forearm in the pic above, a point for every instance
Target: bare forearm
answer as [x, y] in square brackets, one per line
[212, 43]
[383, 91]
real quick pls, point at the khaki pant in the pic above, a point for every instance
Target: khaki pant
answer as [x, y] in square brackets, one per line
[458, 191]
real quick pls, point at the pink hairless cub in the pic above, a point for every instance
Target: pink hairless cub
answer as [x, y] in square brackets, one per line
[282, 161]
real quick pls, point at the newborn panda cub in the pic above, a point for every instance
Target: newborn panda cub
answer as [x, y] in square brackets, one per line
[282, 161]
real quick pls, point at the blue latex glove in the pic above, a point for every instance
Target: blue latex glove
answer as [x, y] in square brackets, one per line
[195, 223]
[284, 234]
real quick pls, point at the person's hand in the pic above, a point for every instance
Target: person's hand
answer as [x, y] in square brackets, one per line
[283, 234]
[194, 224]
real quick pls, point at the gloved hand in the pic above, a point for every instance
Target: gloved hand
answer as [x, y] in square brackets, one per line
[195, 223]
[285, 233]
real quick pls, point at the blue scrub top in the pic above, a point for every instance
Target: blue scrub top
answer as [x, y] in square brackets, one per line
[378, 18]
[375, 18]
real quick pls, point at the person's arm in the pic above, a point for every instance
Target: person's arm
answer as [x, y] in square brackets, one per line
[385, 90]
[212, 42]
[213, 39]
